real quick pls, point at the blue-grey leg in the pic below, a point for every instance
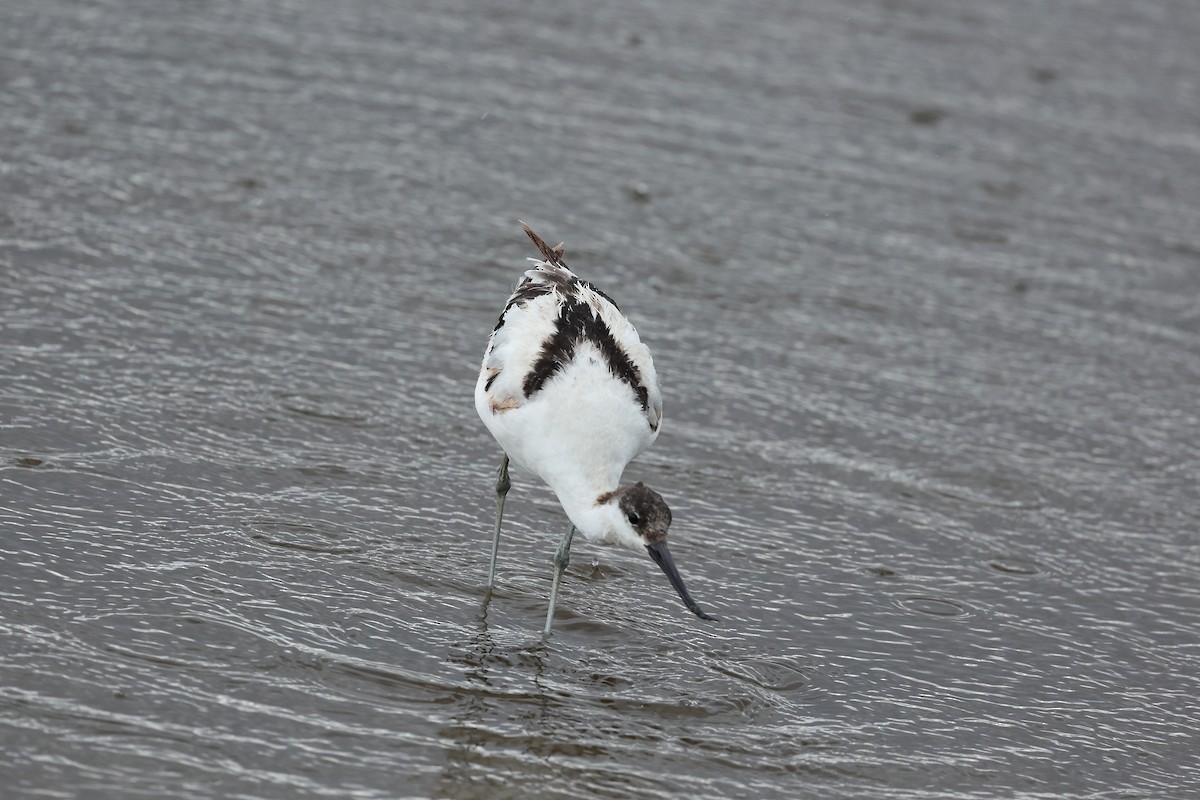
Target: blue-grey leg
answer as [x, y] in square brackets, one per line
[503, 484]
[562, 557]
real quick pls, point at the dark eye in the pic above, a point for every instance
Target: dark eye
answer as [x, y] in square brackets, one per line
[634, 519]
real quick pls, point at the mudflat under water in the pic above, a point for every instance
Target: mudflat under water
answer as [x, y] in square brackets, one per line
[922, 281]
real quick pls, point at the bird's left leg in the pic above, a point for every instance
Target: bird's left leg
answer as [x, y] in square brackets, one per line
[503, 484]
[562, 557]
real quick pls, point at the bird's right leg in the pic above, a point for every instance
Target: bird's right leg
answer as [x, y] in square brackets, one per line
[503, 484]
[562, 557]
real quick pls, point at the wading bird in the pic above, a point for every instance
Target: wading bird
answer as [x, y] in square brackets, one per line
[569, 391]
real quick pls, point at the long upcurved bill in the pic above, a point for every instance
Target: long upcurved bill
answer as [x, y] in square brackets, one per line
[662, 556]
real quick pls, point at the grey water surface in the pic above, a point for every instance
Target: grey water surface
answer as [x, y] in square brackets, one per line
[922, 282]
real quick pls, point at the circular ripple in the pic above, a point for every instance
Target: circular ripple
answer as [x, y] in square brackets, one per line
[1011, 565]
[778, 674]
[934, 606]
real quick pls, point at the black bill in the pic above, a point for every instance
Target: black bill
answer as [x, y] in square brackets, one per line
[662, 556]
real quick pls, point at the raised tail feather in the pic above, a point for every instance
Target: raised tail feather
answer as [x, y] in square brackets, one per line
[553, 254]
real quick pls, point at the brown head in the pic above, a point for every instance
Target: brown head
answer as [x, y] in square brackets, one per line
[642, 520]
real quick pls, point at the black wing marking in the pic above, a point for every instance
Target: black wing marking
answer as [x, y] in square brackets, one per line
[578, 322]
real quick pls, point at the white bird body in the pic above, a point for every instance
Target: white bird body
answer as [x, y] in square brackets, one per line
[583, 424]
[570, 392]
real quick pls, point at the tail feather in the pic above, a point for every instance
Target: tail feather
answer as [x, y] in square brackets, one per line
[553, 254]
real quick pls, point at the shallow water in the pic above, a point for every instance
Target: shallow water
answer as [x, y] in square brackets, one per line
[921, 281]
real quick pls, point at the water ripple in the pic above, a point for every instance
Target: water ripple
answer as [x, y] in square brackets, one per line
[920, 294]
